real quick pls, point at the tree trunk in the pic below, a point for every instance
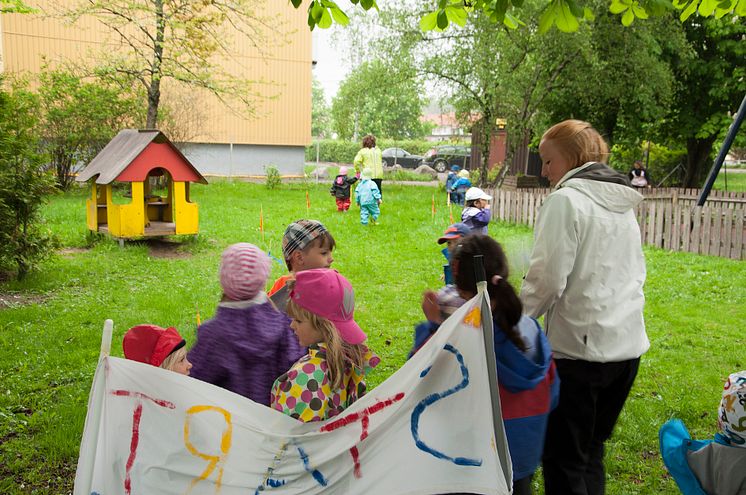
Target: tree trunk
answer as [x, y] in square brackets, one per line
[698, 160]
[486, 131]
[154, 89]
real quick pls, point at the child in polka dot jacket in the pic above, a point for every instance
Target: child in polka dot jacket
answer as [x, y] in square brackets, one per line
[328, 379]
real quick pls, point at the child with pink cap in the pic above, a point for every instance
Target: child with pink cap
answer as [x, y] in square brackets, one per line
[248, 343]
[161, 347]
[328, 379]
[341, 189]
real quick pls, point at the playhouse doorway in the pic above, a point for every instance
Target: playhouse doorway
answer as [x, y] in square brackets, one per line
[158, 197]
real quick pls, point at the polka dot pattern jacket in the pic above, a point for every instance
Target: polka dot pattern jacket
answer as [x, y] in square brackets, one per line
[304, 392]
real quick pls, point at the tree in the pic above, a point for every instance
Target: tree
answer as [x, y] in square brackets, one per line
[182, 41]
[489, 72]
[320, 112]
[78, 119]
[23, 185]
[711, 78]
[566, 15]
[622, 83]
[378, 99]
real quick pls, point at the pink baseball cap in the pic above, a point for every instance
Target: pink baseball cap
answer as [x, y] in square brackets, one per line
[324, 292]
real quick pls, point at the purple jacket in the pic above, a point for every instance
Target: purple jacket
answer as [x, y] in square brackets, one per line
[244, 348]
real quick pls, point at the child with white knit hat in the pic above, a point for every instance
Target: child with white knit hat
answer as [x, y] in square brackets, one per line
[715, 466]
[249, 342]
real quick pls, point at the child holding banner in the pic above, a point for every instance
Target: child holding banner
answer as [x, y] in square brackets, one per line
[447, 299]
[306, 245]
[331, 376]
[527, 379]
[162, 347]
[248, 343]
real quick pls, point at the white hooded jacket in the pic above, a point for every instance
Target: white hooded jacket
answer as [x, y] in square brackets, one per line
[587, 268]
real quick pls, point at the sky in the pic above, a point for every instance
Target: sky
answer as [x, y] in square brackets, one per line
[330, 68]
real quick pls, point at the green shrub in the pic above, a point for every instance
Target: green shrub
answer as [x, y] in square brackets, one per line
[24, 186]
[341, 151]
[273, 177]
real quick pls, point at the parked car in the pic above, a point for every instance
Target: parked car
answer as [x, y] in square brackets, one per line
[402, 157]
[441, 158]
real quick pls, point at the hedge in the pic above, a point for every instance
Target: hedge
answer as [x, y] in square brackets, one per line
[339, 151]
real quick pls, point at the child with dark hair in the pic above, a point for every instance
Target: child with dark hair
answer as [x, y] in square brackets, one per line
[306, 245]
[527, 379]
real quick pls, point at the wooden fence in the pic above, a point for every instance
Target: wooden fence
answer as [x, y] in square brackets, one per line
[668, 218]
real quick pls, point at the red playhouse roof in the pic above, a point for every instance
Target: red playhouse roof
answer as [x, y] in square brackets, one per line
[133, 153]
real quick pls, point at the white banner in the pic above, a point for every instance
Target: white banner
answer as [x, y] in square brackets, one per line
[428, 429]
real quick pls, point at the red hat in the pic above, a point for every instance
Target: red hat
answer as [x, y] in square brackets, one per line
[326, 293]
[151, 344]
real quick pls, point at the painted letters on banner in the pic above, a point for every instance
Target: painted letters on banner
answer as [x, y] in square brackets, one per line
[427, 429]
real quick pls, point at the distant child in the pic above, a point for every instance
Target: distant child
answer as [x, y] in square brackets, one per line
[447, 300]
[368, 197]
[450, 180]
[331, 376]
[306, 245]
[477, 212]
[715, 466]
[341, 189]
[460, 187]
[249, 342]
[161, 347]
[527, 378]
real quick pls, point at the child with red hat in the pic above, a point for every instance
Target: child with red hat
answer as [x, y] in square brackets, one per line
[162, 347]
[328, 379]
[248, 343]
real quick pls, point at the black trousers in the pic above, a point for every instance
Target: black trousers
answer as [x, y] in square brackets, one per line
[592, 396]
[378, 183]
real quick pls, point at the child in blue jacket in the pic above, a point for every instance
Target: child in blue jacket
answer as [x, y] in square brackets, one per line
[527, 379]
[476, 213]
[709, 467]
[450, 180]
[460, 186]
[368, 196]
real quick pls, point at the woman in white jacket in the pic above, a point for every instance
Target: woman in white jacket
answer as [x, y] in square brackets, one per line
[586, 275]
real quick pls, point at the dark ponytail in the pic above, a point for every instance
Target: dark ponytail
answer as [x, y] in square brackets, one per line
[507, 308]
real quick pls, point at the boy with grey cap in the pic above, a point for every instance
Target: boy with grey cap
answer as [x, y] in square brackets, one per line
[306, 244]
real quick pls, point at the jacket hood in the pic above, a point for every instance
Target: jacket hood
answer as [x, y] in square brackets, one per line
[604, 185]
[514, 370]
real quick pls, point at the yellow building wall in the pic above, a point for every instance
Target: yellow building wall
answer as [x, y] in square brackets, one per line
[281, 117]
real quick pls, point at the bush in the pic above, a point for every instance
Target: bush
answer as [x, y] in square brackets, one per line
[24, 185]
[341, 151]
[273, 178]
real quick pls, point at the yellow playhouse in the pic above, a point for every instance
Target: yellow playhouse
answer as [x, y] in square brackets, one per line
[134, 157]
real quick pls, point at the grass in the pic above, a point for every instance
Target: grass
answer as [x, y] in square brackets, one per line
[736, 181]
[49, 340]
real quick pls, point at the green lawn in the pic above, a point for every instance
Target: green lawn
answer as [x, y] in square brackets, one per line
[734, 180]
[50, 330]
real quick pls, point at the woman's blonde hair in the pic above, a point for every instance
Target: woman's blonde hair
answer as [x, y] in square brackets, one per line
[578, 141]
[170, 362]
[338, 352]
